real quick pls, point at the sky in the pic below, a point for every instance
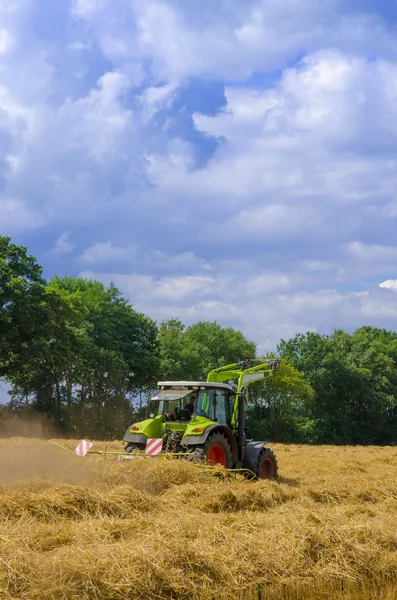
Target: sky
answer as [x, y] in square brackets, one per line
[230, 161]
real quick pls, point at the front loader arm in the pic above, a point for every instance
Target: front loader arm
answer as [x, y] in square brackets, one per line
[245, 373]
[224, 373]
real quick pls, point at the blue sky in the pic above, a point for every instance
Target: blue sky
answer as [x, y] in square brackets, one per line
[219, 160]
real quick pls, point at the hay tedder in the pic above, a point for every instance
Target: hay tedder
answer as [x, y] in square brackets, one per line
[205, 421]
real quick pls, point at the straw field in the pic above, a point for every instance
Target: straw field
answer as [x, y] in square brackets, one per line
[96, 528]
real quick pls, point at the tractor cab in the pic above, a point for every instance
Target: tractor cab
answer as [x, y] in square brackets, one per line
[185, 408]
[183, 401]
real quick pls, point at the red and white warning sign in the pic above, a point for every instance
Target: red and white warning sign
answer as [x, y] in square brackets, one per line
[83, 448]
[154, 446]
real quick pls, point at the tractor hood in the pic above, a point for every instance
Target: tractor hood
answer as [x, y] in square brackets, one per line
[150, 428]
[153, 428]
[198, 425]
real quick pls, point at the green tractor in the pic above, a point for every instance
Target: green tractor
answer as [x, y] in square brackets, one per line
[206, 420]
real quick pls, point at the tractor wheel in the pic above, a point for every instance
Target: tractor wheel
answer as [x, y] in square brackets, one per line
[132, 447]
[217, 450]
[266, 467]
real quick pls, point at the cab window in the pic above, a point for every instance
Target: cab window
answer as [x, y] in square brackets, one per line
[205, 404]
[223, 407]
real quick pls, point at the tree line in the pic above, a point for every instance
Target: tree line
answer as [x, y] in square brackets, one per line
[77, 353]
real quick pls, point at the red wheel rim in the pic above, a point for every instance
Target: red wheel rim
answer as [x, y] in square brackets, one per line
[216, 455]
[267, 469]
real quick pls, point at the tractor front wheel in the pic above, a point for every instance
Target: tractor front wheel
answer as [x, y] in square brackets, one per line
[217, 450]
[266, 466]
[132, 447]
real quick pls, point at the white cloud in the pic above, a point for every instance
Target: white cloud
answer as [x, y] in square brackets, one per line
[280, 171]
[5, 41]
[103, 252]
[100, 119]
[78, 46]
[263, 283]
[281, 181]
[365, 252]
[16, 216]
[180, 287]
[227, 39]
[328, 100]
[85, 8]
[301, 154]
[390, 210]
[266, 317]
[164, 288]
[63, 245]
[156, 98]
[390, 284]
[293, 208]
[65, 158]
[10, 6]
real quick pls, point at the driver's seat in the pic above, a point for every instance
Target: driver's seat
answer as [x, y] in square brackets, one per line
[182, 414]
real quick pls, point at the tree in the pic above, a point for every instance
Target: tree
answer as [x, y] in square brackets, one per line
[279, 405]
[118, 354]
[217, 345]
[354, 378]
[171, 350]
[191, 352]
[77, 351]
[22, 292]
[45, 367]
[97, 352]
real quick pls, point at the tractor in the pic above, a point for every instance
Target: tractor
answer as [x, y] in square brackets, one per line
[205, 421]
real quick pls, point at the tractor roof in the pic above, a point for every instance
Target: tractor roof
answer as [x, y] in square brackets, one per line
[194, 384]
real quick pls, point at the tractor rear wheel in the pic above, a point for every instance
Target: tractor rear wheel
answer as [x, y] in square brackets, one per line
[217, 450]
[266, 466]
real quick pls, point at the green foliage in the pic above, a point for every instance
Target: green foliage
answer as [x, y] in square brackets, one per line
[72, 349]
[354, 378]
[120, 344]
[191, 352]
[22, 303]
[278, 406]
[78, 352]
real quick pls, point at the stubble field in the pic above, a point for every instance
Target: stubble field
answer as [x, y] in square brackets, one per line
[95, 528]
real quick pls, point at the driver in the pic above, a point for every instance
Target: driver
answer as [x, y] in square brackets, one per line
[190, 405]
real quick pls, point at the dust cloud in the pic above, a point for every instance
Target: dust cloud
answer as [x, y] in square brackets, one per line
[30, 425]
[23, 459]
[26, 453]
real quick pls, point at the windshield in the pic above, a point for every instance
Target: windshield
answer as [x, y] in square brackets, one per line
[200, 402]
[154, 408]
[173, 408]
[197, 402]
[168, 402]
